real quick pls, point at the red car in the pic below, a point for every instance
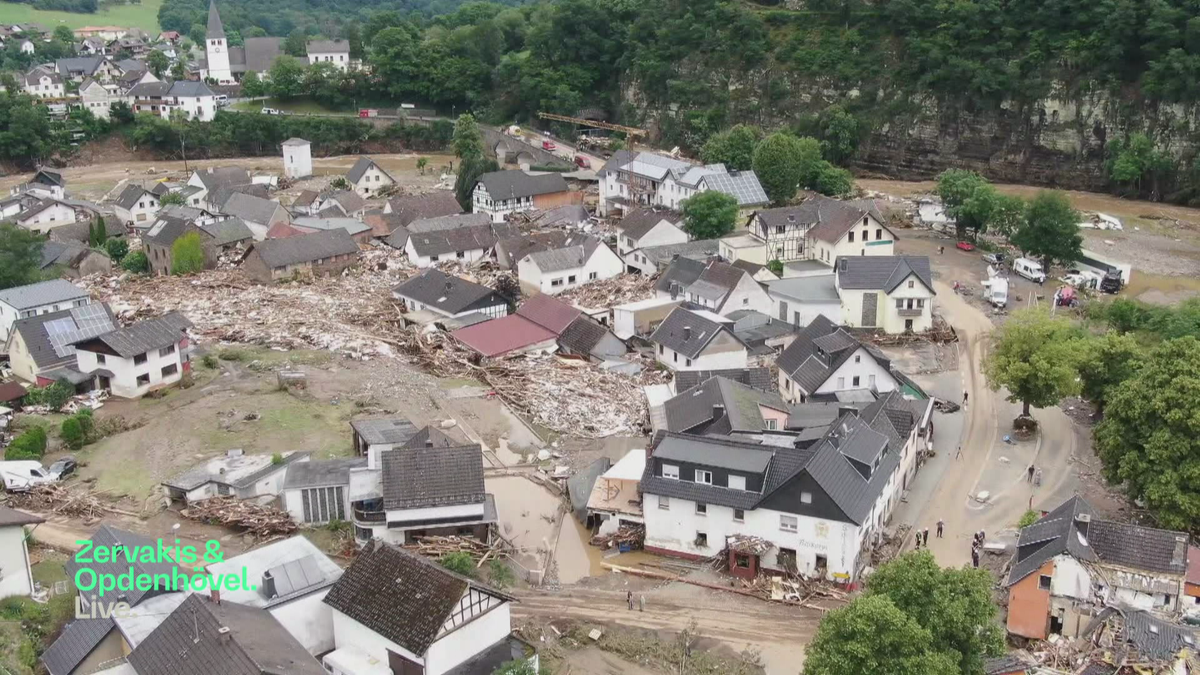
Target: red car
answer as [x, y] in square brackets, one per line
[965, 246]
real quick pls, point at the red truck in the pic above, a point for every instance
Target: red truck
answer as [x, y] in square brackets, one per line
[368, 112]
[549, 146]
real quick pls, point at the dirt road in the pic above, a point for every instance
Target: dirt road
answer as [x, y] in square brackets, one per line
[778, 632]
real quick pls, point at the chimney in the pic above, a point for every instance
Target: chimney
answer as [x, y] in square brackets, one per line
[718, 411]
[215, 594]
[223, 635]
[687, 332]
[268, 585]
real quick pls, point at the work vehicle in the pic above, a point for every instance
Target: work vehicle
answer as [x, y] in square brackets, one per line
[1030, 269]
[965, 246]
[62, 468]
[269, 111]
[222, 100]
[582, 162]
[1112, 282]
[20, 475]
[995, 291]
[994, 258]
[368, 112]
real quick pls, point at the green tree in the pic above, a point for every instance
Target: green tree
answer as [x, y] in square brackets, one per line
[157, 62]
[468, 140]
[422, 162]
[516, 668]
[187, 254]
[1008, 212]
[20, 256]
[116, 249]
[776, 267]
[97, 233]
[1034, 356]
[733, 147]
[833, 181]
[709, 215]
[840, 134]
[179, 70]
[287, 77]
[120, 113]
[954, 605]
[1050, 230]
[1111, 359]
[500, 574]
[63, 34]
[1028, 518]
[136, 262]
[783, 162]
[967, 198]
[1149, 439]
[458, 562]
[72, 433]
[173, 199]
[469, 171]
[31, 444]
[296, 44]
[1138, 164]
[871, 636]
[252, 86]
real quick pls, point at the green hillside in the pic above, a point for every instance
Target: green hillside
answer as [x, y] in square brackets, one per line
[144, 16]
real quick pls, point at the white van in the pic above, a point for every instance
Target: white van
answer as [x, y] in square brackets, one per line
[21, 475]
[1030, 269]
[995, 291]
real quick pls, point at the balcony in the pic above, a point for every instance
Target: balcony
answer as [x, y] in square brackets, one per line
[914, 312]
[369, 511]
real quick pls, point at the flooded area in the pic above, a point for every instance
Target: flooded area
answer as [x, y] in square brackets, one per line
[534, 519]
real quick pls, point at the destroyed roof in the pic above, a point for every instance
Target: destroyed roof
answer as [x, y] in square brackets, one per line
[219, 176]
[879, 272]
[832, 218]
[322, 472]
[388, 431]
[12, 517]
[513, 249]
[398, 238]
[282, 230]
[503, 335]
[548, 312]
[228, 231]
[352, 226]
[1004, 665]
[65, 253]
[402, 596]
[203, 637]
[682, 273]
[732, 406]
[234, 470]
[41, 293]
[429, 477]
[337, 46]
[637, 223]
[306, 248]
[701, 250]
[567, 258]
[250, 208]
[130, 195]
[686, 332]
[473, 238]
[81, 636]
[1155, 638]
[50, 338]
[11, 391]
[717, 280]
[449, 222]
[816, 288]
[297, 568]
[1054, 534]
[361, 167]
[429, 205]
[447, 293]
[144, 336]
[501, 185]
[569, 214]
[755, 378]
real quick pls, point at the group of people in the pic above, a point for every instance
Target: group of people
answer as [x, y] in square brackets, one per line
[976, 547]
[923, 535]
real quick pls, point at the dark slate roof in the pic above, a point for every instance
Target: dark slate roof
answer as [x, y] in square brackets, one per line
[79, 64]
[48, 177]
[582, 335]
[831, 218]
[1138, 547]
[305, 248]
[549, 312]
[449, 222]
[637, 223]
[619, 159]
[566, 258]
[1155, 638]
[388, 431]
[428, 205]
[448, 293]
[222, 176]
[717, 280]
[63, 253]
[755, 378]
[882, 272]
[144, 336]
[322, 472]
[515, 248]
[348, 201]
[42, 293]
[739, 406]
[1053, 535]
[1004, 665]
[228, 231]
[502, 185]
[337, 46]
[360, 167]
[248, 207]
[398, 238]
[817, 351]
[417, 478]
[189, 642]
[681, 273]
[10, 517]
[82, 635]
[166, 229]
[851, 438]
[81, 322]
[673, 333]
[305, 198]
[215, 28]
[190, 88]
[471, 238]
[430, 437]
[401, 596]
[130, 195]
[701, 447]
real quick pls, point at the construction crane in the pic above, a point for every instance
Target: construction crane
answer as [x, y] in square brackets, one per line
[629, 131]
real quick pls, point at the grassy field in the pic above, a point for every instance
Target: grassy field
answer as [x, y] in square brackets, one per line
[144, 16]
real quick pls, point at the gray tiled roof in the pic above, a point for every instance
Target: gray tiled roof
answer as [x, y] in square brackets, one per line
[448, 222]
[431, 437]
[448, 293]
[66, 253]
[881, 272]
[428, 205]
[683, 445]
[816, 352]
[388, 431]
[250, 208]
[739, 405]
[220, 176]
[130, 195]
[416, 478]
[673, 333]
[305, 248]
[472, 238]
[42, 293]
[561, 259]
[1051, 536]
[501, 185]
[166, 229]
[401, 596]
[328, 47]
[1155, 638]
[255, 643]
[398, 238]
[85, 65]
[512, 249]
[349, 201]
[190, 88]
[698, 250]
[1143, 548]
[145, 335]
[321, 472]
[682, 273]
[817, 288]
[582, 335]
[295, 141]
[637, 223]
[149, 90]
[361, 166]
[832, 218]
[228, 231]
[755, 378]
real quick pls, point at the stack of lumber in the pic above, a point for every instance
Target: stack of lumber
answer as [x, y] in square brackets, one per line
[55, 498]
[258, 521]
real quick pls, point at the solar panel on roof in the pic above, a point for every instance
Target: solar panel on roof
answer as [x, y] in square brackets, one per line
[85, 322]
[296, 575]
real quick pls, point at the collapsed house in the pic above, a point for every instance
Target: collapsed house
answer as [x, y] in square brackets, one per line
[234, 473]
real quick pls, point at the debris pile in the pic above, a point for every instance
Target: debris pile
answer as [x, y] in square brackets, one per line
[436, 547]
[628, 537]
[55, 498]
[259, 521]
[608, 292]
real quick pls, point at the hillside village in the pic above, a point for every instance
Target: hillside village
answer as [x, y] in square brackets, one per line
[568, 405]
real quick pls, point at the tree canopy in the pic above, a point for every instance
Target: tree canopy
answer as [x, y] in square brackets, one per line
[1035, 356]
[1050, 230]
[187, 254]
[1110, 360]
[871, 636]
[783, 162]
[709, 215]
[733, 147]
[20, 256]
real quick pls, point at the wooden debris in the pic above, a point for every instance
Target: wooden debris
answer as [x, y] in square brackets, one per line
[258, 521]
[608, 292]
[632, 536]
[438, 546]
[53, 497]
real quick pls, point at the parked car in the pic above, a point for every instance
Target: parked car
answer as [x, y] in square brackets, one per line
[993, 258]
[1030, 269]
[62, 468]
[549, 146]
[222, 100]
[965, 246]
[582, 162]
[269, 111]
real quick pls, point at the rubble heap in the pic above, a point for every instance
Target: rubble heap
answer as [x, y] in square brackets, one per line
[437, 546]
[258, 521]
[53, 497]
[608, 292]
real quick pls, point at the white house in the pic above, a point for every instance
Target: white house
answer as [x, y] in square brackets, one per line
[336, 52]
[16, 579]
[824, 359]
[449, 296]
[631, 179]
[234, 473]
[98, 98]
[297, 158]
[47, 214]
[130, 362]
[424, 619]
[695, 340]
[292, 577]
[556, 270]
[27, 47]
[367, 178]
[849, 229]
[136, 204]
[706, 495]
[799, 300]
[466, 238]
[719, 286]
[195, 99]
[42, 82]
[892, 293]
[209, 180]
[45, 183]
[643, 228]
[43, 297]
[500, 193]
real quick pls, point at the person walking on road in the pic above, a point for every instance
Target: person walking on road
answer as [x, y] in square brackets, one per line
[925, 537]
[975, 558]
[958, 456]
[629, 599]
[966, 395]
[940, 525]
[1030, 472]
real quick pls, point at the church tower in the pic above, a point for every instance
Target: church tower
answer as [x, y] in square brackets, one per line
[216, 47]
